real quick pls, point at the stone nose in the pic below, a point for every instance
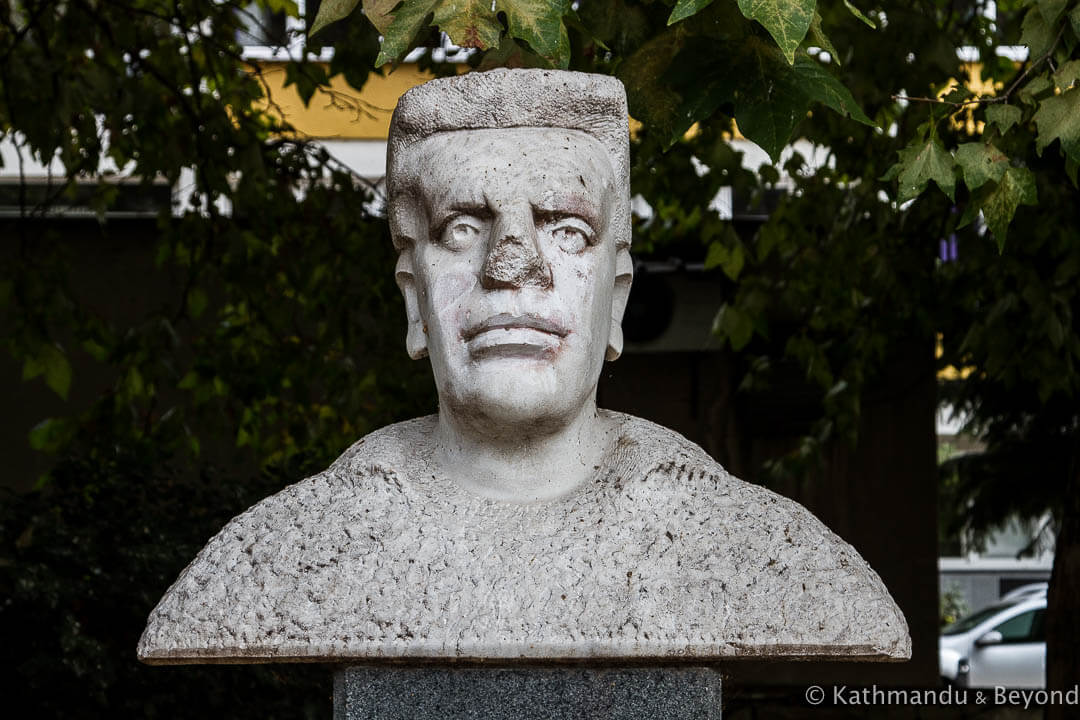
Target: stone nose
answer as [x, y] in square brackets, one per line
[514, 259]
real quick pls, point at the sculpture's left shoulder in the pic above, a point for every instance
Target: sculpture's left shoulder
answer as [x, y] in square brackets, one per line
[793, 586]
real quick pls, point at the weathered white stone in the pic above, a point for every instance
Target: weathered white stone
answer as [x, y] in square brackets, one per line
[520, 522]
[661, 554]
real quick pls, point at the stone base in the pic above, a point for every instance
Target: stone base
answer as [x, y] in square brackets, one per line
[389, 692]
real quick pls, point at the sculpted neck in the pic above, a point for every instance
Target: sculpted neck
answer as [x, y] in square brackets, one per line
[530, 462]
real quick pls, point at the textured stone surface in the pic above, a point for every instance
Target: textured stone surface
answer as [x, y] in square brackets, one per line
[662, 554]
[539, 693]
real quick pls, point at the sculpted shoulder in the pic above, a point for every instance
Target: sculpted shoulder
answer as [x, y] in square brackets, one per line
[783, 582]
[269, 561]
[663, 554]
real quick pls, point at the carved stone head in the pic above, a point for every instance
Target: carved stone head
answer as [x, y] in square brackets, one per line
[509, 204]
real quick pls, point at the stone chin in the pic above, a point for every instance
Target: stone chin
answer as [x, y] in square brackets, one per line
[519, 395]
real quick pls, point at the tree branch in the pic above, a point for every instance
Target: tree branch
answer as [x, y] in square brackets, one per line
[1031, 65]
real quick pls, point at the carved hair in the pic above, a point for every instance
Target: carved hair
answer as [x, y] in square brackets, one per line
[593, 104]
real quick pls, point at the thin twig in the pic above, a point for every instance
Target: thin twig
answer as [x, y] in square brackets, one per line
[995, 99]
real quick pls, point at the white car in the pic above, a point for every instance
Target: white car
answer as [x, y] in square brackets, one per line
[1001, 645]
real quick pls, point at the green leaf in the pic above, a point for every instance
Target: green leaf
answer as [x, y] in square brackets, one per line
[31, 368]
[51, 362]
[734, 325]
[858, 13]
[1067, 75]
[1004, 116]
[770, 111]
[331, 11]
[770, 122]
[817, 83]
[412, 17]
[378, 12]
[1036, 86]
[197, 302]
[1016, 188]
[1058, 118]
[539, 23]
[819, 38]
[980, 163]
[1074, 20]
[687, 8]
[786, 20]
[921, 162]
[1051, 9]
[469, 23]
[728, 259]
[652, 98]
[970, 213]
[95, 349]
[307, 77]
[1036, 33]
[51, 434]
[574, 22]
[134, 383]
[54, 364]
[510, 54]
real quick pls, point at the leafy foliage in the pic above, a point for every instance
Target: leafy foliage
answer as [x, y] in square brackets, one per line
[83, 560]
[1048, 110]
[919, 164]
[786, 20]
[331, 11]
[265, 338]
[775, 96]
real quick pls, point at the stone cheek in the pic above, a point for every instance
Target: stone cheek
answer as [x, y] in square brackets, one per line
[662, 555]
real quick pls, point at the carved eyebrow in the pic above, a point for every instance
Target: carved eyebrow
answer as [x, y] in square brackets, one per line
[560, 205]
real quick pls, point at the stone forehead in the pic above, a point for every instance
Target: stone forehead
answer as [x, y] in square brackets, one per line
[543, 150]
[594, 104]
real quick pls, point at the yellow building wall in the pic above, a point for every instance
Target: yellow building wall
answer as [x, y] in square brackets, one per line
[343, 113]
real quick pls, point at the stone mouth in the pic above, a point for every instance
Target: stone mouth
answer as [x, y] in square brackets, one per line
[508, 321]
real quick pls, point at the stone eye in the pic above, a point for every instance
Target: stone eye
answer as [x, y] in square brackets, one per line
[570, 238]
[461, 233]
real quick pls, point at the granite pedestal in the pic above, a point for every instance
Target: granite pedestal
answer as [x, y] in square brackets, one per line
[370, 692]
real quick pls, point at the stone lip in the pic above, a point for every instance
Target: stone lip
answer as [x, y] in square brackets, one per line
[662, 557]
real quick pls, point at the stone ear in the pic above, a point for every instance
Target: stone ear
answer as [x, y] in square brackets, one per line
[416, 336]
[624, 275]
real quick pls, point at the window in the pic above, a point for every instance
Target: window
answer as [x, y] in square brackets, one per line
[268, 35]
[969, 622]
[1025, 627]
[262, 27]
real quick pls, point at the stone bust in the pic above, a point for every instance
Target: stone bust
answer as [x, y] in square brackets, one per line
[520, 522]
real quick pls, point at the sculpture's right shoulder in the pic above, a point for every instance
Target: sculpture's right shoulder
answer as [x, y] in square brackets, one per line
[265, 579]
[401, 446]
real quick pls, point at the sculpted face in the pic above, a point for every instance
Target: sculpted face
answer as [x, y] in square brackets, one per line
[511, 281]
